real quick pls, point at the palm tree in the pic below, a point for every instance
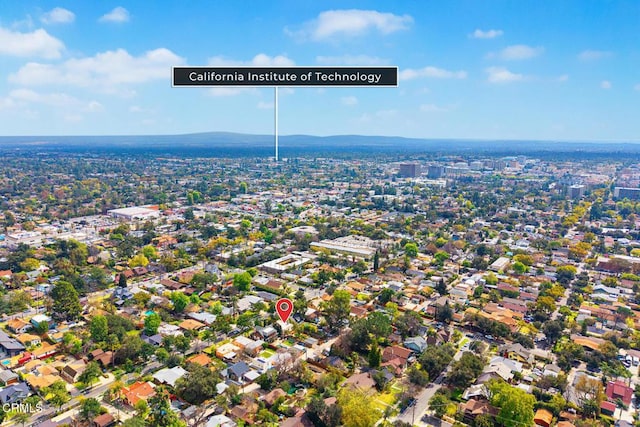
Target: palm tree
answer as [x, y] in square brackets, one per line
[620, 405]
[21, 417]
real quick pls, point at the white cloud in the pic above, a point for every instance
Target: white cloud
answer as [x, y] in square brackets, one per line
[518, 52]
[260, 60]
[431, 72]
[349, 23]
[351, 60]
[266, 60]
[52, 99]
[433, 108]
[594, 55]
[229, 91]
[265, 105]
[58, 15]
[135, 109]
[563, 78]
[117, 15]
[488, 34]
[349, 100]
[605, 84]
[38, 43]
[95, 107]
[6, 103]
[637, 87]
[106, 71]
[502, 75]
[26, 23]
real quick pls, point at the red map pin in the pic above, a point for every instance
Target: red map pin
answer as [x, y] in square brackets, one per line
[284, 307]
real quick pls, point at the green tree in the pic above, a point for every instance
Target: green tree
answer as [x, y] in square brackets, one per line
[57, 394]
[316, 409]
[151, 324]
[418, 376]
[138, 260]
[411, 249]
[441, 287]
[242, 281]
[465, 371]
[160, 414]
[162, 354]
[90, 374]
[264, 416]
[491, 279]
[134, 422]
[356, 408]
[268, 380]
[99, 328]
[66, 304]
[41, 327]
[516, 405]
[150, 252]
[198, 385]
[553, 330]
[30, 264]
[444, 313]
[375, 356]
[376, 261]
[435, 359]
[90, 408]
[202, 281]
[408, 323]
[440, 257]
[545, 304]
[484, 420]
[589, 394]
[122, 280]
[179, 300]
[565, 274]
[337, 309]
[438, 404]
[21, 417]
[379, 324]
[142, 408]
[130, 349]
[385, 295]
[520, 268]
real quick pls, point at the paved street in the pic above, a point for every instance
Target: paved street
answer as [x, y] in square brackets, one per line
[415, 413]
[49, 412]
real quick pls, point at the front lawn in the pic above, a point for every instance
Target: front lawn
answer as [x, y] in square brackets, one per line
[267, 353]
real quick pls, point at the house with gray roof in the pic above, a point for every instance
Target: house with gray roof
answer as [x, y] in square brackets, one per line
[9, 346]
[14, 393]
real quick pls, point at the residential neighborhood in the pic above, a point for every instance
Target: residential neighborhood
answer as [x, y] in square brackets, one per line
[446, 291]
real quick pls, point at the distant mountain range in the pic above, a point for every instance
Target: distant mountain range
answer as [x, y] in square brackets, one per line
[219, 143]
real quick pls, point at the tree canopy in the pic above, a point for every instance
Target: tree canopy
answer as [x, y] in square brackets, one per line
[66, 304]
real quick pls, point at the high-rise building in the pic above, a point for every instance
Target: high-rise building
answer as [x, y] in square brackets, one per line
[576, 191]
[435, 171]
[476, 165]
[626, 193]
[409, 170]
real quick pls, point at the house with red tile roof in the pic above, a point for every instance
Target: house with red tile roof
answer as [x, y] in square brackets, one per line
[619, 390]
[138, 391]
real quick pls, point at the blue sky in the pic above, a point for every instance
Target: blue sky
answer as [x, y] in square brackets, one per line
[553, 70]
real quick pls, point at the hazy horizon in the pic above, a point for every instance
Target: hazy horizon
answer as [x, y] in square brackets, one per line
[527, 71]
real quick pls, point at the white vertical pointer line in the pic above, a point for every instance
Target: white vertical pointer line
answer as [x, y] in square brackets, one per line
[275, 118]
